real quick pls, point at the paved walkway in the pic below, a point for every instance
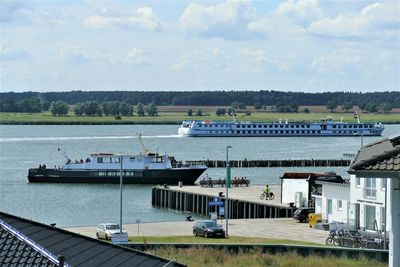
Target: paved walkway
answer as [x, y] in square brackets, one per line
[243, 193]
[269, 228]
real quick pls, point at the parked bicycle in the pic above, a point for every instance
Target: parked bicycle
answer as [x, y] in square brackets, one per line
[332, 239]
[355, 239]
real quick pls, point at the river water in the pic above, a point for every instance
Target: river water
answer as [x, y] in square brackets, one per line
[26, 146]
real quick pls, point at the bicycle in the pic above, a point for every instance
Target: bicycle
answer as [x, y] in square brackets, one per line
[270, 196]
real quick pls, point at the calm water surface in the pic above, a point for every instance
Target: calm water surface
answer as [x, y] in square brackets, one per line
[25, 146]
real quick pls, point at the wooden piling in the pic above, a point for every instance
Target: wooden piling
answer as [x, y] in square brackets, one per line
[275, 163]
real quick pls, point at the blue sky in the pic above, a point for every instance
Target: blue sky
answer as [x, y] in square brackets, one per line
[304, 45]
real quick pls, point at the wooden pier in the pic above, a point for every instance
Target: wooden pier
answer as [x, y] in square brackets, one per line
[275, 163]
[244, 202]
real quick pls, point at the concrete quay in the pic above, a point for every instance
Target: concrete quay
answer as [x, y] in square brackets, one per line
[287, 229]
[243, 193]
[244, 202]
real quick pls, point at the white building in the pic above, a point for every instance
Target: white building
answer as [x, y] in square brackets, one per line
[299, 187]
[369, 200]
[373, 195]
[374, 163]
[333, 202]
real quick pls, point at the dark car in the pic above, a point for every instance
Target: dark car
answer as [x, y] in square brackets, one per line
[302, 214]
[208, 229]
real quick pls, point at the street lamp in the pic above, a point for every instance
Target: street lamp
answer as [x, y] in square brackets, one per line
[120, 193]
[228, 178]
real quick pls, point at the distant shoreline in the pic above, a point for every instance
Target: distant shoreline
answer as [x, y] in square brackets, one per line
[91, 123]
[116, 123]
[176, 118]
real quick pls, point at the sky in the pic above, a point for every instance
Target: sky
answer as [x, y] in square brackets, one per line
[293, 45]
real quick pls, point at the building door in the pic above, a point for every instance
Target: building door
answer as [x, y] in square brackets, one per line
[370, 219]
[329, 209]
[354, 216]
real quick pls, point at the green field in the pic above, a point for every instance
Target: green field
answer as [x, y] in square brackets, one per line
[178, 117]
[209, 257]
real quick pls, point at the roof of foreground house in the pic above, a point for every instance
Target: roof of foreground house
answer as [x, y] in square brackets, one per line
[379, 158]
[314, 176]
[28, 243]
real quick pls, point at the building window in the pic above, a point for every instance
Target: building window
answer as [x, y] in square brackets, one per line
[339, 205]
[383, 219]
[370, 188]
[383, 184]
[358, 182]
[370, 217]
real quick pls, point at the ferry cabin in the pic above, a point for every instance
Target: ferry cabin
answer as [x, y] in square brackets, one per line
[207, 128]
[109, 161]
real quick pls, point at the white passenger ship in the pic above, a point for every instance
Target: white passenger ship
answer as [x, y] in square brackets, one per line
[327, 127]
[144, 168]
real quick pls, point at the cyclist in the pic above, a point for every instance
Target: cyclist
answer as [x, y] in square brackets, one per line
[266, 191]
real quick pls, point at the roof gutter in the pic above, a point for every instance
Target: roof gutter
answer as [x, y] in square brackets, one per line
[54, 259]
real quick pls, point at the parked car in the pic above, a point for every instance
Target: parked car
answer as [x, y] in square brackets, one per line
[208, 229]
[106, 230]
[302, 214]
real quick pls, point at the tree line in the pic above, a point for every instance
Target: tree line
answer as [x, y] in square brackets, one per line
[116, 108]
[209, 98]
[94, 108]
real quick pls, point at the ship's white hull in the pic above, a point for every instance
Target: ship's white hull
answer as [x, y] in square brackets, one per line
[228, 129]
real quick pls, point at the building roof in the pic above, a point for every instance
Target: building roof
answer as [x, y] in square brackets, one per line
[24, 242]
[313, 176]
[378, 159]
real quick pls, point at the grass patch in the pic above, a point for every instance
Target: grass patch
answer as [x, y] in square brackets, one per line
[202, 240]
[208, 257]
[178, 117]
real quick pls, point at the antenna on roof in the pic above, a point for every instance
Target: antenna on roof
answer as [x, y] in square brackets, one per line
[64, 153]
[145, 150]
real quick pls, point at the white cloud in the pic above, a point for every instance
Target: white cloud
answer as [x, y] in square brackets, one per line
[10, 53]
[301, 11]
[73, 54]
[181, 64]
[28, 13]
[341, 62]
[380, 19]
[227, 20]
[262, 25]
[259, 58]
[136, 57]
[143, 18]
[255, 56]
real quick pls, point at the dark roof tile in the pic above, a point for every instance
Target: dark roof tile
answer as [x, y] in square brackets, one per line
[381, 156]
[77, 249]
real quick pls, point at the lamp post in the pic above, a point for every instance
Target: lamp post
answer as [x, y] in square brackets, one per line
[120, 193]
[228, 182]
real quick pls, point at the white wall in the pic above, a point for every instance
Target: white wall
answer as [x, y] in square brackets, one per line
[290, 187]
[335, 192]
[318, 205]
[357, 196]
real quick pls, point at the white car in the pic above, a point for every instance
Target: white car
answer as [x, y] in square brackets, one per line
[106, 230]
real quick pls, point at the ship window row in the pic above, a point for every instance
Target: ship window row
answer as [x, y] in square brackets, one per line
[117, 173]
[108, 160]
[267, 132]
[352, 126]
[274, 126]
[109, 173]
[252, 126]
